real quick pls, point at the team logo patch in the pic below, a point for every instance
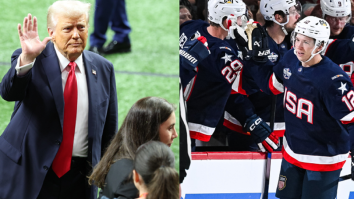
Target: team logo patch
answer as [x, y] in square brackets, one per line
[273, 57]
[282, 182]
[323, 23]
[286, 73]
[343, 87]
[300, 69]
[228, 1]
[282, 46]
[224, 47]
[336, 76]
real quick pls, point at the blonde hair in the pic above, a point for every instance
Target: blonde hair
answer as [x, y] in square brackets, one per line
[67, 8]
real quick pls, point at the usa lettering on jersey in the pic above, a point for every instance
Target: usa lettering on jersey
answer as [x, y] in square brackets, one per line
[299, 107]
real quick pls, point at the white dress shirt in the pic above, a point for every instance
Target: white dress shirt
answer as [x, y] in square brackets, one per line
[81, 127]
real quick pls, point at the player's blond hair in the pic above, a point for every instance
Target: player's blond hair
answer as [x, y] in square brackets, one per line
[67, 8]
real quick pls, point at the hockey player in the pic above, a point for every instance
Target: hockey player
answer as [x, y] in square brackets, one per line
[341, 52]
[280, 16]
[192, 53]
[207, 92]
[318, 113]
[338, 13]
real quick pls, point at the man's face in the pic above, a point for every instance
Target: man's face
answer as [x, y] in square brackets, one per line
[294, 15]
[70, 35]
[336, 24]
[304, 46]
[184, 15]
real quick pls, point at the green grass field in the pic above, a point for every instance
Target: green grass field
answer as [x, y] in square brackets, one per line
[154, 39]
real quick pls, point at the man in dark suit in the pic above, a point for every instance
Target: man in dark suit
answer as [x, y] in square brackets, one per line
[65, 112]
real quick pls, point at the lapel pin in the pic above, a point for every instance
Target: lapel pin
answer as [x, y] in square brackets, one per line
[93, 72]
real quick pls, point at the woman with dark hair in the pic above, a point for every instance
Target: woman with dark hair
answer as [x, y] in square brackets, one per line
[154, 174]
[150, 118]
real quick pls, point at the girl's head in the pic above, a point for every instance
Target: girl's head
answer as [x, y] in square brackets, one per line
[150, 118]
[154, 171]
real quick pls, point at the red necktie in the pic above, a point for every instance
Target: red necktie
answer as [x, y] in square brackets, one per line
[62, 160]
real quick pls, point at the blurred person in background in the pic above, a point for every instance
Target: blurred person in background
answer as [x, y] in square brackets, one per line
[184, 14]
[150, 118]
[65, 112]
[154, 174]
[110, 13]
[338, 14]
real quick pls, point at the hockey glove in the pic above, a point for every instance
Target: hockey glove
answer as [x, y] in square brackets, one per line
[256, 47]
[194, 51]
[239, 35]
[257, 42]
[261, 133]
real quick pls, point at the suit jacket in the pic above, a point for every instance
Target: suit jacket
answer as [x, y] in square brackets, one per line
[32, 138]
[119, 181]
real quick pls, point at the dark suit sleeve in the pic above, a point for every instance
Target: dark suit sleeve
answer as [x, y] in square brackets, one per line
[12, 87]
[111, 124]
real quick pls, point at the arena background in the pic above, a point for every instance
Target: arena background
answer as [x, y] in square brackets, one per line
[151, 69]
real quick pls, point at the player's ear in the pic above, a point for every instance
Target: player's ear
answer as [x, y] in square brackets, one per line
[319, 48]
[279, 18]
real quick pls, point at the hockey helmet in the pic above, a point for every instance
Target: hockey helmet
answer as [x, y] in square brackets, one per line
[315, 28]
[336, 8]
[269, 7]
[218, 9]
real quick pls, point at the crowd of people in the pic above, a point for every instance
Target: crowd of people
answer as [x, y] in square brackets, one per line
[285, 85]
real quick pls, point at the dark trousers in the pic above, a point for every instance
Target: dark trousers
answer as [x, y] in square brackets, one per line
[297, 183]
[73, 184]
[113, 13]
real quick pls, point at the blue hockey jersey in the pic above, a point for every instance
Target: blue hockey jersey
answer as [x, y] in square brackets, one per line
[341, 52]
[207, 92]
[318, 101]
[233, 118]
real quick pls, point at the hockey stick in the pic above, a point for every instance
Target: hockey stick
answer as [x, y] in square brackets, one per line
[346, 177]
[269, 155]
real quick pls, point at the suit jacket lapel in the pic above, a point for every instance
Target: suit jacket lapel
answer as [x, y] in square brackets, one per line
[91, 78]
[51, 66]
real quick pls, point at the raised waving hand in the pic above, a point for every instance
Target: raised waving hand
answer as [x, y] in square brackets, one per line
[31, 45]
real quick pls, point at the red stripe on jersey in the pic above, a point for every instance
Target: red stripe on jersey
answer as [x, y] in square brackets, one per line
[312, 166]
[348, 122]
[271, 86]
[240, 89]
[234, 127]
[199, 136]
[329, 46]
